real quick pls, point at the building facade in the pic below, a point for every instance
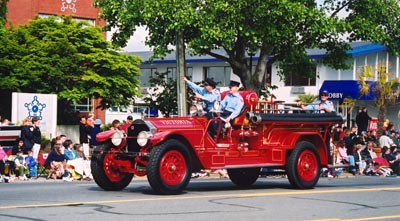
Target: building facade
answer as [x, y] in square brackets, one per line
[19, 12]
[339, 83]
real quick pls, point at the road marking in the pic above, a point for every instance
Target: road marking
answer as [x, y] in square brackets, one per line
[360, 219]
[236, 195]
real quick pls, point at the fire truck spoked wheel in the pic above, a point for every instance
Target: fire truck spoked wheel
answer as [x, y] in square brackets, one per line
[303, 166]
[244, 176]
[169, 167]
[105, 170]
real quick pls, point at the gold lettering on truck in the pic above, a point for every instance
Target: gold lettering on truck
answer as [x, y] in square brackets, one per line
[175, 122]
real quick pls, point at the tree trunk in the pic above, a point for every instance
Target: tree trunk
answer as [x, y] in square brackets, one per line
[381, 115]
[250, 81]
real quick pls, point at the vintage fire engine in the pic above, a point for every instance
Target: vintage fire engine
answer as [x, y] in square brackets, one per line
[168, 150]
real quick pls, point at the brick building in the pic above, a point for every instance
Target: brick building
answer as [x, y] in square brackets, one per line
[21, 11]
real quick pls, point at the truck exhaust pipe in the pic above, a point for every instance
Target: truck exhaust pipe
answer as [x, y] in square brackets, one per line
[253, 117]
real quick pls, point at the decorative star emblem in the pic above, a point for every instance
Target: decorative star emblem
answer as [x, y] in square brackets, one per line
[35, 108]
[68, 4]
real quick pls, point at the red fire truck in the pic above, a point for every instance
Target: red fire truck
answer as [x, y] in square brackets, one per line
[169, 150]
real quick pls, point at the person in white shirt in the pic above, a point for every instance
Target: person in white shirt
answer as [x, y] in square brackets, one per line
[320, 106]
[384, 140]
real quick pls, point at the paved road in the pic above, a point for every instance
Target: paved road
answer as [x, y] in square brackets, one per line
[359, 198]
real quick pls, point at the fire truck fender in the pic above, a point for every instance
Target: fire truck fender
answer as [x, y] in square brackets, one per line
[168, 135]
[315, 139]
[160, 137]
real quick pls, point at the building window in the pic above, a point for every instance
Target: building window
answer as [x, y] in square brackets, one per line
[295, 78]
[84, 105]
[146, 74]
[221, 75]
[90, 21]
[172, 73]
[299, 80]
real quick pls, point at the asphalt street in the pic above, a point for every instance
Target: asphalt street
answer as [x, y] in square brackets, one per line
[210, 198]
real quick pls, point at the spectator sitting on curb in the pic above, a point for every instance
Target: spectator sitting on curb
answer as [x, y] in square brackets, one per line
[21, 166]
[58, 164]
[87, 171]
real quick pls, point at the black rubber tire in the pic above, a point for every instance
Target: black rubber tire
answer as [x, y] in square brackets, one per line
[303, 166]
[99, 174]
[184, 167]
[244, 176]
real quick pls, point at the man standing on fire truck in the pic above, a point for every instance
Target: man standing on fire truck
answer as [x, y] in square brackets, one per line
[209, 94]
[230, 107]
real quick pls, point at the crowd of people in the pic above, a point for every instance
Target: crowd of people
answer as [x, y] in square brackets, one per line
[71, 161]
[367, 152]
[363, 151]
[21, 160]
[67, 160]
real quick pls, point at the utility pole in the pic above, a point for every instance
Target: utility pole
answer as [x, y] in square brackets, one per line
[180, 73]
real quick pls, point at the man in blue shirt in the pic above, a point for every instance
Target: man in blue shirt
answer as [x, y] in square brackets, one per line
[209, 94]
[230, 107]
[320, 106]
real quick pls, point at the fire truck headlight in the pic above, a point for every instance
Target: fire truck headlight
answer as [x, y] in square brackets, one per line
[143, 138]
[117, 138]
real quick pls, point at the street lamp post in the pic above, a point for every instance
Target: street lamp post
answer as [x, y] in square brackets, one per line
[180, 73]
[251, 54]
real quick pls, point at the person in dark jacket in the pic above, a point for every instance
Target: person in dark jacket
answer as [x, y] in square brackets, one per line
[27, 134]
[36, 137]
[57, 162]
[394, 163]
[84, 133]
[19, 146]
[362, 120]
[83, 136]
[95, 130]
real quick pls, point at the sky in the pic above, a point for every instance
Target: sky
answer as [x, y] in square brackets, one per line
[136, 42]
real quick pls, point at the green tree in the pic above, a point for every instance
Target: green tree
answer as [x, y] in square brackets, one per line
[279, 30]
[385, 88]
[307, 98]
[162, 94]
[3, 12]
[67, 58]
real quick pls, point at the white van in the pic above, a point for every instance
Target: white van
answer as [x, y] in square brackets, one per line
[136, 111]
[119, 113]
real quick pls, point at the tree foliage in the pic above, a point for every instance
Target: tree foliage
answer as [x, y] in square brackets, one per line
[278, 30]
[162, 94]
[67, 58]
[307, 98]
[385, 88]
[3, 12]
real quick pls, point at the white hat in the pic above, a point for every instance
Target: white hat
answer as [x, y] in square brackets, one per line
[97, 122]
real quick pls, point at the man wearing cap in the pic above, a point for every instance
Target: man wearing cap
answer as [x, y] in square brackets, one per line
[209, 93]
[93, 133]
[320, 106]
[230, 107]
[128, 122]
